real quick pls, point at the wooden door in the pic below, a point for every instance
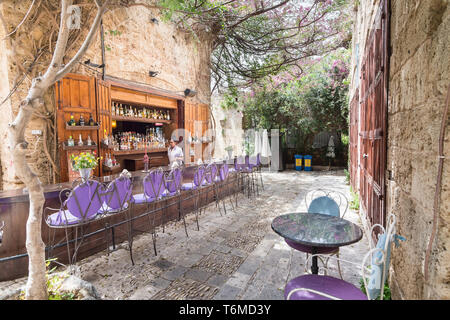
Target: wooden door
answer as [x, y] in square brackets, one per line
[353, 143]
[103, 89]
[373, 100]
[75, 94]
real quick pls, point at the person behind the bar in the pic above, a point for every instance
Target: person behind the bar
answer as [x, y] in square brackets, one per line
[175, 153]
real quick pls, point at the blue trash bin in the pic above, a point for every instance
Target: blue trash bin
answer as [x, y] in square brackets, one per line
[307, 163]
[298, 162]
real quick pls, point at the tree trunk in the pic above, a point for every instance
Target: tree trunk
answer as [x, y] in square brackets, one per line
[36, 287]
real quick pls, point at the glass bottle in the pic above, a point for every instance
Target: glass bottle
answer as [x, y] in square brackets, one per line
[70, 142]
[91, 120]
[80, 141]
[168, 115]
[72, 121]
[81, 122]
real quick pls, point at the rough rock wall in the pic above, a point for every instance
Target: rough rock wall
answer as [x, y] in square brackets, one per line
[418, 81]
[228, 129]
[134, 46]
[419, 77]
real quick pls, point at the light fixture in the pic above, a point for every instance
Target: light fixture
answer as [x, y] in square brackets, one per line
[94, 65]
[153, 73]
[113, 124]
[189, 92]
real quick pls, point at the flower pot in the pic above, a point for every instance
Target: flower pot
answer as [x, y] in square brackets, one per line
[85, 173]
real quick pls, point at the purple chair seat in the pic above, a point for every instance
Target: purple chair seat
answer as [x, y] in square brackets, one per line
[59, 218]
[188, 186]
[326, 284]
[141, 198]
[107, 209]
[308, 249]
[167, 193]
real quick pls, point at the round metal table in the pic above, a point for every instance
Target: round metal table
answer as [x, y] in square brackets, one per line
[317, 231]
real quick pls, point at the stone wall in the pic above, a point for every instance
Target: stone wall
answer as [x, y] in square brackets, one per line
[134, 46]
[418, 82]
[419, 77]
[228, 129]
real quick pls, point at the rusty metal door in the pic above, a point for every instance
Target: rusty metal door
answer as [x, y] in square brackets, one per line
[373, 100]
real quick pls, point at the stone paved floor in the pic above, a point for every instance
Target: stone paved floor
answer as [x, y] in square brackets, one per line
[234, 256]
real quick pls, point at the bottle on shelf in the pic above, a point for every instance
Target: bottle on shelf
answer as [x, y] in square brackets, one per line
[72, 121]
[168, 115]
[80, 141]
[81, 122]
[70, 142]
[91, 120]
[89, 141]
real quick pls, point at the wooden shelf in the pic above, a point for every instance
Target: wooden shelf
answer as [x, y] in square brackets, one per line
[96, 127]
[111, 169]
[103, 145]
[144, 120]
[128, 152]
[77, 147]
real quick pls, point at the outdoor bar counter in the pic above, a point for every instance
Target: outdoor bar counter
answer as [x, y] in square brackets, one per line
[14, 207]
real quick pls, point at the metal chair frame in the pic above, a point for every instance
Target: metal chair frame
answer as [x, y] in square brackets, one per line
[364, 269]
[125, 206]
[197, 190]
[169, 179]
[342, 202]
[150, 202]
[69, 192]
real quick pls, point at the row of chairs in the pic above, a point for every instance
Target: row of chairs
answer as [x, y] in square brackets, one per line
[91, 200]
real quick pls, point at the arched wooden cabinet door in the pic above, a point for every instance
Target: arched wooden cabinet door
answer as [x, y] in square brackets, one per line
[75, 95]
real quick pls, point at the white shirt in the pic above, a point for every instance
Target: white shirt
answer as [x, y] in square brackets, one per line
[175, 153]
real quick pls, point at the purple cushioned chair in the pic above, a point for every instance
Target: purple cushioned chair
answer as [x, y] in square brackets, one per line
[77, 211]
[324, 287]
[195, 187]
[117, 198]
[223, 183]
[173, 181]
[154, 187]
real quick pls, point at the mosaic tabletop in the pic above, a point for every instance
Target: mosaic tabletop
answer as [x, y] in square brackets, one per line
[316, 230]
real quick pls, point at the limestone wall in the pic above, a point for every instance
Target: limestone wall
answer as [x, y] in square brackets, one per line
[134, 46]
[419, 77]
[228, 129]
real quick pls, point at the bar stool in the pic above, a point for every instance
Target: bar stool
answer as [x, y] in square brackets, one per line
[80, 208]
[195, 188]
[222, 182]
[154, 186]
[173, 181]
[117, 199]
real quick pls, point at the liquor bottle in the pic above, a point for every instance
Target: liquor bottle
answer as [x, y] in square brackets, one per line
[113, 109]
[71, 121]
[89, 141]
[120, 110]
[70, 142]
[80, 141]
[91, 120]
[81, 122]
[168, 115]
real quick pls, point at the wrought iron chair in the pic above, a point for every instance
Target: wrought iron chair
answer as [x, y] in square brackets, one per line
[154, 187]
[118, 199]
[326, 202]
[222, 182]
[173, 181]
[195, 188]
[323, 287]
[81, 207]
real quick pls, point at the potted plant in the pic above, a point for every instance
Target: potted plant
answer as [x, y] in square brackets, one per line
[229, 149]
[84, 163]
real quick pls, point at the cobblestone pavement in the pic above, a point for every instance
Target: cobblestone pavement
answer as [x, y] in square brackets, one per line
[233, 256]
